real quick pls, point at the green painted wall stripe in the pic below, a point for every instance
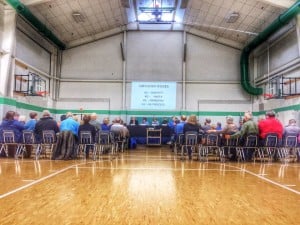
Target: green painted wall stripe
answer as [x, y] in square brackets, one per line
[17, 104]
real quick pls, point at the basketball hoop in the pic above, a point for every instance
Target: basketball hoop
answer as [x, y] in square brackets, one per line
[42, 93]
[268, 96]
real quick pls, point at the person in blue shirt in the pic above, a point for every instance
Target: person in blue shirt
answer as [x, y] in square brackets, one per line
[219, 126]
[179, 126]
[30, 124]
[69, 124]
[145, 122]
[105, 125]
[9, 123]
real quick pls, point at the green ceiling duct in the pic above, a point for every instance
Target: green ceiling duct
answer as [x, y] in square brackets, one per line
[282, 20]
[25, 12]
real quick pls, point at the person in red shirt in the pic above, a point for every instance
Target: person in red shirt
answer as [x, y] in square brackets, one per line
[270, 125]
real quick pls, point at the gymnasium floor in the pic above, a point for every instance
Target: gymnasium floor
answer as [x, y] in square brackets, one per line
[148, 186]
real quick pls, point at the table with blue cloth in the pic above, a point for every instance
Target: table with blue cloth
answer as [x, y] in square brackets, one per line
[138, 134]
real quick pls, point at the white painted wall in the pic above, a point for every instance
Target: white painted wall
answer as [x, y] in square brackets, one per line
[78, 94]
[210, 61]
[217, 98]
[154, 56]
[100, 60]
[31, 53]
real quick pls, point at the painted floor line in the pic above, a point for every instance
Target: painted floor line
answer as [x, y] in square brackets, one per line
[156, 168]
[35, 182]
[268, 180]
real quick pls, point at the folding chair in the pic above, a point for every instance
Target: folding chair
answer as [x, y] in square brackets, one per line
[249, 147]
[289, 148]
[190, 144]
[178, 143]
[86, 142]
[8, 142]
[103, 142]
[48, 143]
[269, 147]
[28, 140]
[210, 147]
[118, 141]
[229, 146]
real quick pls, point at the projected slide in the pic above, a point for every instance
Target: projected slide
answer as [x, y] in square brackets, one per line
[153, 95]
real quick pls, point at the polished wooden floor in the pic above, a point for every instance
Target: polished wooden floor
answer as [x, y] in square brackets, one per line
[148, 186]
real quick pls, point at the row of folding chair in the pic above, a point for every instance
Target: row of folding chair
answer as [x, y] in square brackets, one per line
[211, 146]
[199, 145]
[106, 141]
[28, 141]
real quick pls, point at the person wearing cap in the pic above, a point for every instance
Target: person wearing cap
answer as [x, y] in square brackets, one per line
[46, 122]
[270, 125]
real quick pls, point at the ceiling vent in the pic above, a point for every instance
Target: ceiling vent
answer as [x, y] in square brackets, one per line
[78, 17]
[232, 17]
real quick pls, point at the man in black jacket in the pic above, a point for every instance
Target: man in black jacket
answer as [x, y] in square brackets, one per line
[46, 122]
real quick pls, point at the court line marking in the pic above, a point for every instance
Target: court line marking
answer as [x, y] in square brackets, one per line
[268, 180]
[149, 168]
[35, 182]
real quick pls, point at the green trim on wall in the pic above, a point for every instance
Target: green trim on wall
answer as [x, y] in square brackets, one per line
[7, 101]
[17, 104]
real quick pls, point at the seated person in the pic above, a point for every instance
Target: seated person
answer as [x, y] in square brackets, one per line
[206, 126]
[86, 126]
[248, 127]
[292, 128]
[95, 122]
[133, 121]
[119, 128]
[46, 122]
[219, 126]
[9, 123]
[172, 122]
[30, 124]
[105, 125]
[145, 121]
[165, 121]
[155, 122]
[67, 138]
[270, 125]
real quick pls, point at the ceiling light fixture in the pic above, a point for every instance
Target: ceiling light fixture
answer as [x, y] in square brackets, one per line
[232, 17]
[78, 17]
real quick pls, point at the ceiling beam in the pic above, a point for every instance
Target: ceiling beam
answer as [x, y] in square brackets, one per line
[34, 2]
[280, 3]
